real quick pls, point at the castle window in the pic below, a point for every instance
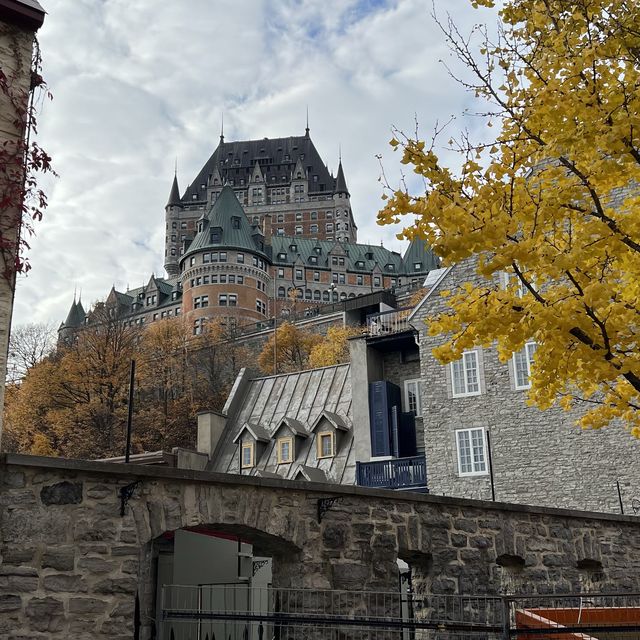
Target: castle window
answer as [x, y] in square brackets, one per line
[316, 276]
[214, 279]
[293, 247]
[240, 279]
[314, 215]
[232, 279]
[205, 279]
[329, 227]
[376, 281]
[173, 252]
[178, 311]
[247, 455]
[281, 292]
[329, 215]
[325, 296]
[223, 256]
[174, 225]
[261, 307]
[206, 257]
[222, 300]
[233, 300]
[391, 267]
[240, 258]
[155, 316]
[214, 256]
[280, 231]
[359, 264]
[299, 230]
[298, 216]
[326, 444]
[280, 273]
[341, 278]
[198, 326]
[313, 228]
[183, 225]
[280, 217]
[223, 278]
[316, 294]
[417, 266]
[285, 450]
[471, 447]
[307, 294]
[343, 296]
[360, 280]
[198, 281]
[216, 236]
[235, 222]
[192, 261]
[368, 255]
[313, 260]
[298, 274]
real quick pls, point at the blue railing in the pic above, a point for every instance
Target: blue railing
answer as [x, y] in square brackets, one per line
[399, 473]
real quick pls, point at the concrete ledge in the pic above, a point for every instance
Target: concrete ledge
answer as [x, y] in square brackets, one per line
[142, 472]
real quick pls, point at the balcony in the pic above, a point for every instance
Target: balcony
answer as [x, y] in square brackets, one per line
[389, 322]
[400, 473]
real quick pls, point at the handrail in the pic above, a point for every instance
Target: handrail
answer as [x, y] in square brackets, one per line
[393, 474]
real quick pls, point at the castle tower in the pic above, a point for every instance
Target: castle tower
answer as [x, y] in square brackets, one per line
[74, 321]
[225, 272]
[173, 233]
[346, 230]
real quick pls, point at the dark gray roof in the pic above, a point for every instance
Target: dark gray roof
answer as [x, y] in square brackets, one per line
[255, 430]
[295, 426]
[337, 421]
[302, 396]
[28, 14]
[76, 315]
[341, 183]
[419, 252]
[276, 157]
[221, 215]
[312, 474]
[174, 195]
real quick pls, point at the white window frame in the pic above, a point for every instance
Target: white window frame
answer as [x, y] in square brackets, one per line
[511, 278]
[475, 464]
[416, 386]
[466, 393]
[527, 353]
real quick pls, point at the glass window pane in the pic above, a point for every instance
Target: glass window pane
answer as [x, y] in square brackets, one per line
[464, 452]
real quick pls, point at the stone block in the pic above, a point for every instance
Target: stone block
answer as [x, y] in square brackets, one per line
[13, 554]
[111, 586]
[87, 605]
[14, 479]
[349, 575]
[60, 558]
[101, 491]
[61, 493]
[125, 550]
[10, 602]
[45, 614]
[95, 530]
[334, 536]
[59, 582]
[93, 565]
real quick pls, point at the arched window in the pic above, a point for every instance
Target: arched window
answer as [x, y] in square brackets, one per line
[281, 292]
[307, 294]
[316, 295]
[343, 296]
[325, 296]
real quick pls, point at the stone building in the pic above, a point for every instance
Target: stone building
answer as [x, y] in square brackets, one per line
[537, 457]
[19, 21]
[264, 226]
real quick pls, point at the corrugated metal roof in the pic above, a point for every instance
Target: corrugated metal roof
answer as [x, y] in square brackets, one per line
[298, 399]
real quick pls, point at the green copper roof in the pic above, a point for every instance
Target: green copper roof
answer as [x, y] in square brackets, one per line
[419, 253]
[76, 315]
[227, 218]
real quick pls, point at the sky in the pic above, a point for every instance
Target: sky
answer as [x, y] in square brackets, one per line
[139, 85]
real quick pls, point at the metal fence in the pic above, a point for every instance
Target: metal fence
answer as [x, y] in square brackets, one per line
[241, 612]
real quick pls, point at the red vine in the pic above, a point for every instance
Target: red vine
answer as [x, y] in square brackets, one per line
[22, 161]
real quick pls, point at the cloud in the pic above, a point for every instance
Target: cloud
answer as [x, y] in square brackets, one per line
[137, 85]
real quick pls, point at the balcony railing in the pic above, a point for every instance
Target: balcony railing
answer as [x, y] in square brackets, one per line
[400, 473]
[387, 322]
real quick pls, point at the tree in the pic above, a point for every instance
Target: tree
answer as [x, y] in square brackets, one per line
[553, 202]
[28, 345]
[334, 347]
[292, 348]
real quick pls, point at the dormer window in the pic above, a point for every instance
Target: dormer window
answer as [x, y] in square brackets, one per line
[326, 444]
[417, 266]
[235, 222]
[318, 250]
[247, 455]
[368, 255]
[200, 226]
[390, 267]
[359, 264]
[285, 450]
[216, 235]
[293, 247]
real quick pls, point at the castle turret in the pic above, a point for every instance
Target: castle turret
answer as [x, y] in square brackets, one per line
[75, 320]
[346, 229]
[225, 270]
[172, 244]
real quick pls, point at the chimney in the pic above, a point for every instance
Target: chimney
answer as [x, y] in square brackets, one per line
[267, 230]
[210, 427]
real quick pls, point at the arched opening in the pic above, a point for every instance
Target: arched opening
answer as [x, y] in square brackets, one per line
[197, 571]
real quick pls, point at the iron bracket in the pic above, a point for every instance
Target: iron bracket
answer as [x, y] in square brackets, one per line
[126, 493]
[324, 504]
[258, 564]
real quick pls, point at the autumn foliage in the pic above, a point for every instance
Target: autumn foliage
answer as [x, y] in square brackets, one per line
[549, 210]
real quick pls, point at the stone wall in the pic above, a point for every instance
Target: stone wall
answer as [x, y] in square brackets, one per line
[71, 566]
[16, 47]
[539, 457]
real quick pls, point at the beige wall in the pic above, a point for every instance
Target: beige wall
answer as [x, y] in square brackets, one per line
[15, 61]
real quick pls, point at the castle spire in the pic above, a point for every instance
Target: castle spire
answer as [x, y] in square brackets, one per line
[306, 131]
[221, 127]
[341, 183]
[174, 196]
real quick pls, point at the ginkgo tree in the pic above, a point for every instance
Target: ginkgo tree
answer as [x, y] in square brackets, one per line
[551, 206]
